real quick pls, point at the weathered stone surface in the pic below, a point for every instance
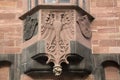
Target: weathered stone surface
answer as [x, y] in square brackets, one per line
[30, 26]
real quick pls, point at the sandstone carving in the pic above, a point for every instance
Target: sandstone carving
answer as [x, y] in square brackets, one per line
[57, 30]
[84, 25]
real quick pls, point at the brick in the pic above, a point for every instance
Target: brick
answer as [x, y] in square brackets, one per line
[118, 3]
[4, 72]
[95, 36]
[93, 3]
[108, 30]
[10, 30]
[7, 16]
[114, 50]
[108, 43]
[9, 43]
[19, 29]
[8, 36]
[14, 34]
[115, 36]
[11, 0]
[11, 23]
[12, 50]
[100, 50]
[8, 3]
[1, 42]
[18, 42]
[104, 10]
[7, 29]
[112, 23]
[107, 16]
[93, 27]
[8, 10]
[106, 3]
[112, 72]
[1, 50]
[20, 4]
[100, 36]
[25, 7]
[1, 35]
[95, 42]
[118, 43]
[100, 23]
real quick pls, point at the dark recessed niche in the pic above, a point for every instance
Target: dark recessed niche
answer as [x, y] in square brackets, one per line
[74, 59]
[41, 58]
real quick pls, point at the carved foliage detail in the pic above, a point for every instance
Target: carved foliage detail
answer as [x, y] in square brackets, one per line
[30, 27]
[84, 25]
[57, 30]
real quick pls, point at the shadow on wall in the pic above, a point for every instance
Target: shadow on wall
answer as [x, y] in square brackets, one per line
[111, 70]
[67, 76]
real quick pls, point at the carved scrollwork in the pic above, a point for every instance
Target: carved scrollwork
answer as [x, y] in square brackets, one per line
[57, 30]
[84, 25]
[30, 27]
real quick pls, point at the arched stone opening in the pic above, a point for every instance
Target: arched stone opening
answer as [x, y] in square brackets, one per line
[111, 70]
[5, 70]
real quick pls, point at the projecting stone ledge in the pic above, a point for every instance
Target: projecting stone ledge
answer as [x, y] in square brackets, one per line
[63, 42]
[80, 59]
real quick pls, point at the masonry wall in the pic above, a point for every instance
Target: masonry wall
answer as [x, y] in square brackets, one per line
[106, 32]
[105, 28]
[10, 33]
[10, 26]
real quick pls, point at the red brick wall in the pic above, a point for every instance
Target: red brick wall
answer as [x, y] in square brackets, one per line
[11, 26]
[106, 27]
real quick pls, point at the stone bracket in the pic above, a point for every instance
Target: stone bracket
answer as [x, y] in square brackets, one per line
[63, 40]
[79, 59]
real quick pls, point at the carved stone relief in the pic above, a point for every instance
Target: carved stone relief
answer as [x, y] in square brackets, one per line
[57, 30]
[30, 27]
[84, 25]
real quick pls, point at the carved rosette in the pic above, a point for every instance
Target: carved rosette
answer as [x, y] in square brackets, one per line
[57, 30]
[84, 25]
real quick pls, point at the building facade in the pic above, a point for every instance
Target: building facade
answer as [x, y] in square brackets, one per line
[31, 28]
